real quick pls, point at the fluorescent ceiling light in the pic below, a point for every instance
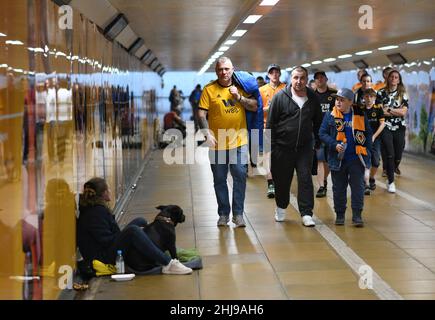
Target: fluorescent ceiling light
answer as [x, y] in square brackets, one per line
[15, 42]
[329, 59]
[218, 53]
[230, 42]
[361, 53]
[388, 48]
[344, 56]
[253, 18]
[316, 62]
[239, 33]
[419, 41]
[224, 48]
[269, 2]
[306, 65]
[2, 35]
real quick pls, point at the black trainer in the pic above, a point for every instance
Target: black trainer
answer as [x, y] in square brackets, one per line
[357, 219]
[397, 171]
[372, 184]
[321, 192]
[339, 221]
[367, 190]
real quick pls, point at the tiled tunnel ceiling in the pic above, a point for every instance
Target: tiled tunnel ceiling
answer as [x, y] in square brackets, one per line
[184, 33]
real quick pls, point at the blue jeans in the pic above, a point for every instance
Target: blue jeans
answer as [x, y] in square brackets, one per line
[237, 161]
[351, 173]
[137, 247]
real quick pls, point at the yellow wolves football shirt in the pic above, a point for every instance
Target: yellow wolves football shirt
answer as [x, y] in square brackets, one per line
[267, 92]
[226, 116]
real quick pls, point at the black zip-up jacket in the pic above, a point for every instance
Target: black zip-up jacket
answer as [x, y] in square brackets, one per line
[292, 127]
[96, 233]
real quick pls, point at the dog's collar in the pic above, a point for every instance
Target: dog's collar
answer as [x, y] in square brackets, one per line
[165, 219]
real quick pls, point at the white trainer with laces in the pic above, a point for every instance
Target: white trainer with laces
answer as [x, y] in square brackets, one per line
[176, 267]
[308, 221]
[391, 187]
[279, 214]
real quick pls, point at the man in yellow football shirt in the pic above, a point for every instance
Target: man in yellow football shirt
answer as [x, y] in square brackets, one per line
[267, 92]
[226, 132]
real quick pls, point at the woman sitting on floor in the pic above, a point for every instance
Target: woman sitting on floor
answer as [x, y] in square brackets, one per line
[99, 236]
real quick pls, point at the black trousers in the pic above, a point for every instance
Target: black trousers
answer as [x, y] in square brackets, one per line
[284, 161]
[393, 143]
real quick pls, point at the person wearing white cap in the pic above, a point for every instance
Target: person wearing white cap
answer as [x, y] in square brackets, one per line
[347, 133]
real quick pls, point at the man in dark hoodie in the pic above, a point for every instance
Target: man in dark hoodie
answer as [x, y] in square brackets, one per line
[294, 120]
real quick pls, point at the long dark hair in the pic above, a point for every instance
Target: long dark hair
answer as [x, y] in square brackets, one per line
[401, 90]
[93, 191]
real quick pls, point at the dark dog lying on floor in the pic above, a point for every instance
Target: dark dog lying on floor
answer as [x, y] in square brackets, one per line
[162, 230]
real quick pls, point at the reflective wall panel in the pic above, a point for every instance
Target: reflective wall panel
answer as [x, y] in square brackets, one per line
[72, 106]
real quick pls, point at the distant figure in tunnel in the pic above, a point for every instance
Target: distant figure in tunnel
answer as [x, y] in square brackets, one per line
[381, 84]
[359, 74]
[260, 81]
[194, 97]
[99, 236]
[175, 97]
[172, 120]
[225, 104]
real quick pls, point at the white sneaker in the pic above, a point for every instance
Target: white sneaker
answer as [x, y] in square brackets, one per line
[391, 187]
[279, 214]
[308, 221]
[176, 267]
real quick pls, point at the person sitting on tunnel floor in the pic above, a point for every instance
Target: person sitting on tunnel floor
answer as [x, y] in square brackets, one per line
[99, 236]
[172, 120]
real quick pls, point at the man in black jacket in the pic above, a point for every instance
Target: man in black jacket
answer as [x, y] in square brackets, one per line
[294, 120]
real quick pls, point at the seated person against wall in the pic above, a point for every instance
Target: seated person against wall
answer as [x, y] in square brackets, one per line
[172, 120]
[99, 236]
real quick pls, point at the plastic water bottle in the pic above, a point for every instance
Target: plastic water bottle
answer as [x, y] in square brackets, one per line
[120, 267]
[341, 154]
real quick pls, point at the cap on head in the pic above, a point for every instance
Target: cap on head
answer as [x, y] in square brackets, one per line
[273, 66]
[320, 73]
[344, 93]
